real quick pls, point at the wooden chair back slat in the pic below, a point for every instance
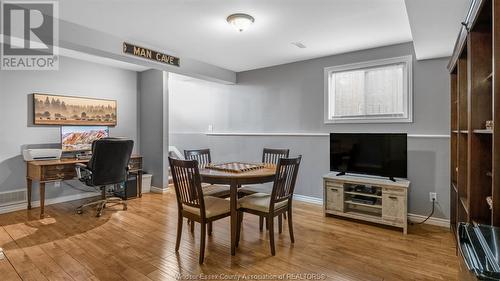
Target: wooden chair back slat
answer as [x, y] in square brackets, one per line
[284, 182]
[272, 156]
[187, 183]
[200, 155]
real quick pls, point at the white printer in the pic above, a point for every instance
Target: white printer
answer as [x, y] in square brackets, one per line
[42, 154]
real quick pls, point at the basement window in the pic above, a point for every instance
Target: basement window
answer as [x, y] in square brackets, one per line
[370, 92]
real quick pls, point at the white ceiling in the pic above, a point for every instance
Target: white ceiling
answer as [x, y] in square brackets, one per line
[197, 28]
[435, 25]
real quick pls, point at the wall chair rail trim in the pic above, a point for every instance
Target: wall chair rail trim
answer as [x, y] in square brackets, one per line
[298, 134]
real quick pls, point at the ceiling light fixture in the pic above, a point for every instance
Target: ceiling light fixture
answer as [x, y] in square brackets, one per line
[240, 21]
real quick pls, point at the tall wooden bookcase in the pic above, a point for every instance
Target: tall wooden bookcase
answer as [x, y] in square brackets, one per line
[475, 99]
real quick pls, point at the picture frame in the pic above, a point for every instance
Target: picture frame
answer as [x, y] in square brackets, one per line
[62, 110]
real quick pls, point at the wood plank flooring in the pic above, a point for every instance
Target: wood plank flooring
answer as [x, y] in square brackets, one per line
[138, 244]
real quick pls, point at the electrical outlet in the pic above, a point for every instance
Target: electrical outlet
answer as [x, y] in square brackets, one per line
[210, 128]
[433, 196]
[57, 184]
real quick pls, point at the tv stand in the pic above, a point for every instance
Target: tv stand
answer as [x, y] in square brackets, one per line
[377, 200]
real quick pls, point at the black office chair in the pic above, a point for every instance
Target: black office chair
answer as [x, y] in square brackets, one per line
[108, 166]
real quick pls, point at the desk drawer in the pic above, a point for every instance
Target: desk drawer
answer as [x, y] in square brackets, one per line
[135, 164]
[58, 172]
[58, 168]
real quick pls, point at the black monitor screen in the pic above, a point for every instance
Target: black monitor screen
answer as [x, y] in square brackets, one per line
[375, 154]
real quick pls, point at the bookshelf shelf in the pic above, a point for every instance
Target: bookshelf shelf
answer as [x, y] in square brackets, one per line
[489, 77]
[483, 131]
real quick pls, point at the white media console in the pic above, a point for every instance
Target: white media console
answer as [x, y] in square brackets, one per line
[385, 202]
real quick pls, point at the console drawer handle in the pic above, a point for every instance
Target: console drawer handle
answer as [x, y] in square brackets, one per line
[334, 190]
[59, 167]
[393, 197]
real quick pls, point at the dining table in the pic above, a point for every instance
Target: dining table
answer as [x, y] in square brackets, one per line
[235, 180]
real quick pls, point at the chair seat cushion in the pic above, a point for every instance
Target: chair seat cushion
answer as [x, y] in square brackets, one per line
[215, 190]
[260, 188]
[259, 202]
[213, 207]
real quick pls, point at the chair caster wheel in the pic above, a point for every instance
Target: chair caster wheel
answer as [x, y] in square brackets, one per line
[79, 212]
[125, 207]
[98, 215]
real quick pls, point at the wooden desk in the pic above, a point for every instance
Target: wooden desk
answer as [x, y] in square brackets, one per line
[235, 180]
[46, 171]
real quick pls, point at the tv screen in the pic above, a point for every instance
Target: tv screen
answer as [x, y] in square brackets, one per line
[80, 138]
[374, 154]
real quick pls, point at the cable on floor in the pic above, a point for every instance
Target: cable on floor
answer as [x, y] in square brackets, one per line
[430, 215]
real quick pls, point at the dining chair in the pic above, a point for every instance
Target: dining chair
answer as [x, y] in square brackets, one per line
[191, 202]
[274, 204]
[269, 156]
[203, 157]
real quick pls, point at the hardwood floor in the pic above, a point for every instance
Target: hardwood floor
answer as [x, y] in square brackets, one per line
[138, 244]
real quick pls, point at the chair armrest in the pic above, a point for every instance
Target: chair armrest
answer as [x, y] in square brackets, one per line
[82, 171]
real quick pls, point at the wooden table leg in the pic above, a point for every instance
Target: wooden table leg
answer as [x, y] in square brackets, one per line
[234, 215]
[139, 183]
[42, 200]
[29, 184]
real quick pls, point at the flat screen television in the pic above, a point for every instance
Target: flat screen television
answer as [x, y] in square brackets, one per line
[80, 138]
[382, 155]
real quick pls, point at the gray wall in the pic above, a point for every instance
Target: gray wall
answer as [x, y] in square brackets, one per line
[74, 78]
[289, 98]
[153, 117]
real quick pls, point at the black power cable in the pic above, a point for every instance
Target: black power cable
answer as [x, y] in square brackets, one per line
[430, 215]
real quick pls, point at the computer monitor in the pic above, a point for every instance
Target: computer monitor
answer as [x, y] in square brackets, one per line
[80, 138]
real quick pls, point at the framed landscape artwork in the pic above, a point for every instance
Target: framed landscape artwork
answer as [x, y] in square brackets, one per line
[65, 110]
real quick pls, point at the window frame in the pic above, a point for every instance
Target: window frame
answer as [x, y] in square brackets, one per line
[407, 90]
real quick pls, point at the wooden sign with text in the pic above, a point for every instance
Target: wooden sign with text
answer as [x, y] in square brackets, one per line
[150, 54]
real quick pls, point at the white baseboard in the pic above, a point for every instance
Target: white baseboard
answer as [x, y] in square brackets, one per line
[155, 189]
[432, 220]
[308, 199]
[411, 217]
[23, 205]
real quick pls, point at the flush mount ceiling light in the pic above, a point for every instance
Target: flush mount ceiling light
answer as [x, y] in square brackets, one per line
[240, 21]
